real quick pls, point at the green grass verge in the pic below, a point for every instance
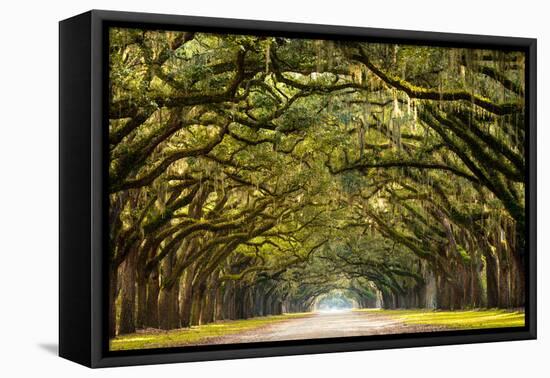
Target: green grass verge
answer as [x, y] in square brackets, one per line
[470, 319]
[188, 336]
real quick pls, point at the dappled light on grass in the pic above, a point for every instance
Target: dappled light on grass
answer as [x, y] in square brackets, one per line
[155, 338]
[458, 319]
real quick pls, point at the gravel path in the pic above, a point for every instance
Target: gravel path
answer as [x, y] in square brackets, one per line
[323, 325]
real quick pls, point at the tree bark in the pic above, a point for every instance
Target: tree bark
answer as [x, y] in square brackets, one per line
[503, 276]
[218, 314]
[141, 321]
[153, 289]
[491, 273]
[197, 303]
[443, 293]
[186, 297]
[476, 288]
[168, 298]
[113, 293]
[207, 315]
[128, 294]
[518, 282]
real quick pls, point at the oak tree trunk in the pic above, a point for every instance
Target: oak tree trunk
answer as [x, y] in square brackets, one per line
[128, 294]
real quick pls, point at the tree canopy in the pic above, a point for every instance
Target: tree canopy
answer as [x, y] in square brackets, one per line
[252, 175]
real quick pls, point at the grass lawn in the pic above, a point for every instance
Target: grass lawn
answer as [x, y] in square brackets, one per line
[468, 319]
[185, 336]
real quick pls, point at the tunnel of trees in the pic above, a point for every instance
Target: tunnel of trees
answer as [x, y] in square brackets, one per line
[255, 175]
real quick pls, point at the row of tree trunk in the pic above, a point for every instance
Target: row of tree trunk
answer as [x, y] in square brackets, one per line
[493, 279]
[138, 303]
[491, 276]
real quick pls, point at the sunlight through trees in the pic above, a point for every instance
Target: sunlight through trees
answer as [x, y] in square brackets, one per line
[252, 176]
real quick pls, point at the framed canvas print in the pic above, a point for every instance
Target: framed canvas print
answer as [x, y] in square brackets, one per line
[234, 188]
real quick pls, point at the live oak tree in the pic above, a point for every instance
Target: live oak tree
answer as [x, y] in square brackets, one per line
[258, 175]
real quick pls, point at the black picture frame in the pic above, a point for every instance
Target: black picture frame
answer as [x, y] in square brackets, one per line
[83, 179]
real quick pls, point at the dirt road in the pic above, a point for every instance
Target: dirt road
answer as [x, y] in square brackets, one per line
[323, 325]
